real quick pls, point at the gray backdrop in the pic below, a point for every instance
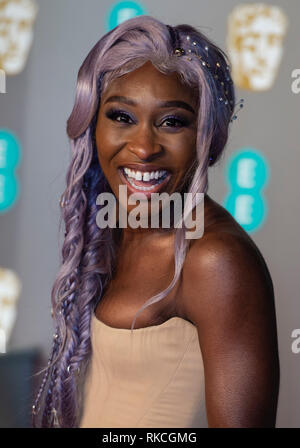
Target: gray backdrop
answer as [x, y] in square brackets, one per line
[36, 107]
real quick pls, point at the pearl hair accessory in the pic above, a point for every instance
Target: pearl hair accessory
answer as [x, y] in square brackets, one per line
[63, 201]
[193, 49]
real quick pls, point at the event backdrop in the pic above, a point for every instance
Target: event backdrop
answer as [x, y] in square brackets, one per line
[42, 45]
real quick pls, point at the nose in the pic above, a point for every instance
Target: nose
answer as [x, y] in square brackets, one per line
[143, 143]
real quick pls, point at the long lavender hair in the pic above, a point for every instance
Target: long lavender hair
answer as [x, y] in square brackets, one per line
[89, 252]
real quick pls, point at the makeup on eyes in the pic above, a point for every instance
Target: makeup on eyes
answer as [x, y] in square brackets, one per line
[113, 113]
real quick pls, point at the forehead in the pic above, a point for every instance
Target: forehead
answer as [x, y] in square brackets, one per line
[149, 81]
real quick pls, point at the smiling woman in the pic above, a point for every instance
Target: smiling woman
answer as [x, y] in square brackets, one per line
[152, 112]
[159, 136]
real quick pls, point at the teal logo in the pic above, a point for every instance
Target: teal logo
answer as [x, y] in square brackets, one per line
[122, 11]
[247, 175]
[9, 159]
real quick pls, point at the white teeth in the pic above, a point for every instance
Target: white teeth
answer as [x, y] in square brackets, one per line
[138, 187]
[132, 175]
[145, 176]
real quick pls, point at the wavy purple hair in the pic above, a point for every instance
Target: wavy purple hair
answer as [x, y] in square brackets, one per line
[88, 252]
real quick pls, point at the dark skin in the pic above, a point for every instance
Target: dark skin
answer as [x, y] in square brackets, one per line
[225, 289]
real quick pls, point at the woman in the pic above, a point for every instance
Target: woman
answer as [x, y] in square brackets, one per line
[152, 111]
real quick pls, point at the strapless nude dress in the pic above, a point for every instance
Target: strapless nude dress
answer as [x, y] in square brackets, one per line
[152, 378]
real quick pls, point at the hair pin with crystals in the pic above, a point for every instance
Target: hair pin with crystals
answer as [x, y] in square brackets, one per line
[216, 71]
[240, 105]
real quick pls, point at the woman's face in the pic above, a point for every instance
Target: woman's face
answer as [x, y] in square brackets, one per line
[147, 125]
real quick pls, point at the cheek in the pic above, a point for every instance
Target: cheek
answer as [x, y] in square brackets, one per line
[103, 156]
[105, 147]
[187, 152]
[103, 160]
[182, 157]
[107, 137]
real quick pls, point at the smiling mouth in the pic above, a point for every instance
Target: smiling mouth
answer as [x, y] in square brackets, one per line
[150, 182]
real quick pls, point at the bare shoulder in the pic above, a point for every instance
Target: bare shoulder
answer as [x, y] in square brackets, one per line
[227, 293]
[224, 268]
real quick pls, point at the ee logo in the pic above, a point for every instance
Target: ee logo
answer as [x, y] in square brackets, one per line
[122, 11]
[247, 175]
[9, 159]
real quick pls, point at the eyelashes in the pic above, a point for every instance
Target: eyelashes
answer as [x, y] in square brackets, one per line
[113, 114]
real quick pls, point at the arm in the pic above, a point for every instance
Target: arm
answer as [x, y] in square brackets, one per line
[228, 295]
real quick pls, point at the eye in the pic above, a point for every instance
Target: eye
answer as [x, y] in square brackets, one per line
[173, 120]
[122, 117]
[115, 114]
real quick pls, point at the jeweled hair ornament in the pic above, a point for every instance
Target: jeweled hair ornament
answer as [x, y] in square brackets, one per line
[222, 80]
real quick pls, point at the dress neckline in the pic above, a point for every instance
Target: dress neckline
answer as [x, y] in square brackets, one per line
[140, 330]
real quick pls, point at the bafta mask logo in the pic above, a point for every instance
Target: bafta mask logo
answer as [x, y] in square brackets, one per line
[16, 33]
[255, 44]
[10, 288]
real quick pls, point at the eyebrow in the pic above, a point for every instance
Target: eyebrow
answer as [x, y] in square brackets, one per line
[130, 102]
